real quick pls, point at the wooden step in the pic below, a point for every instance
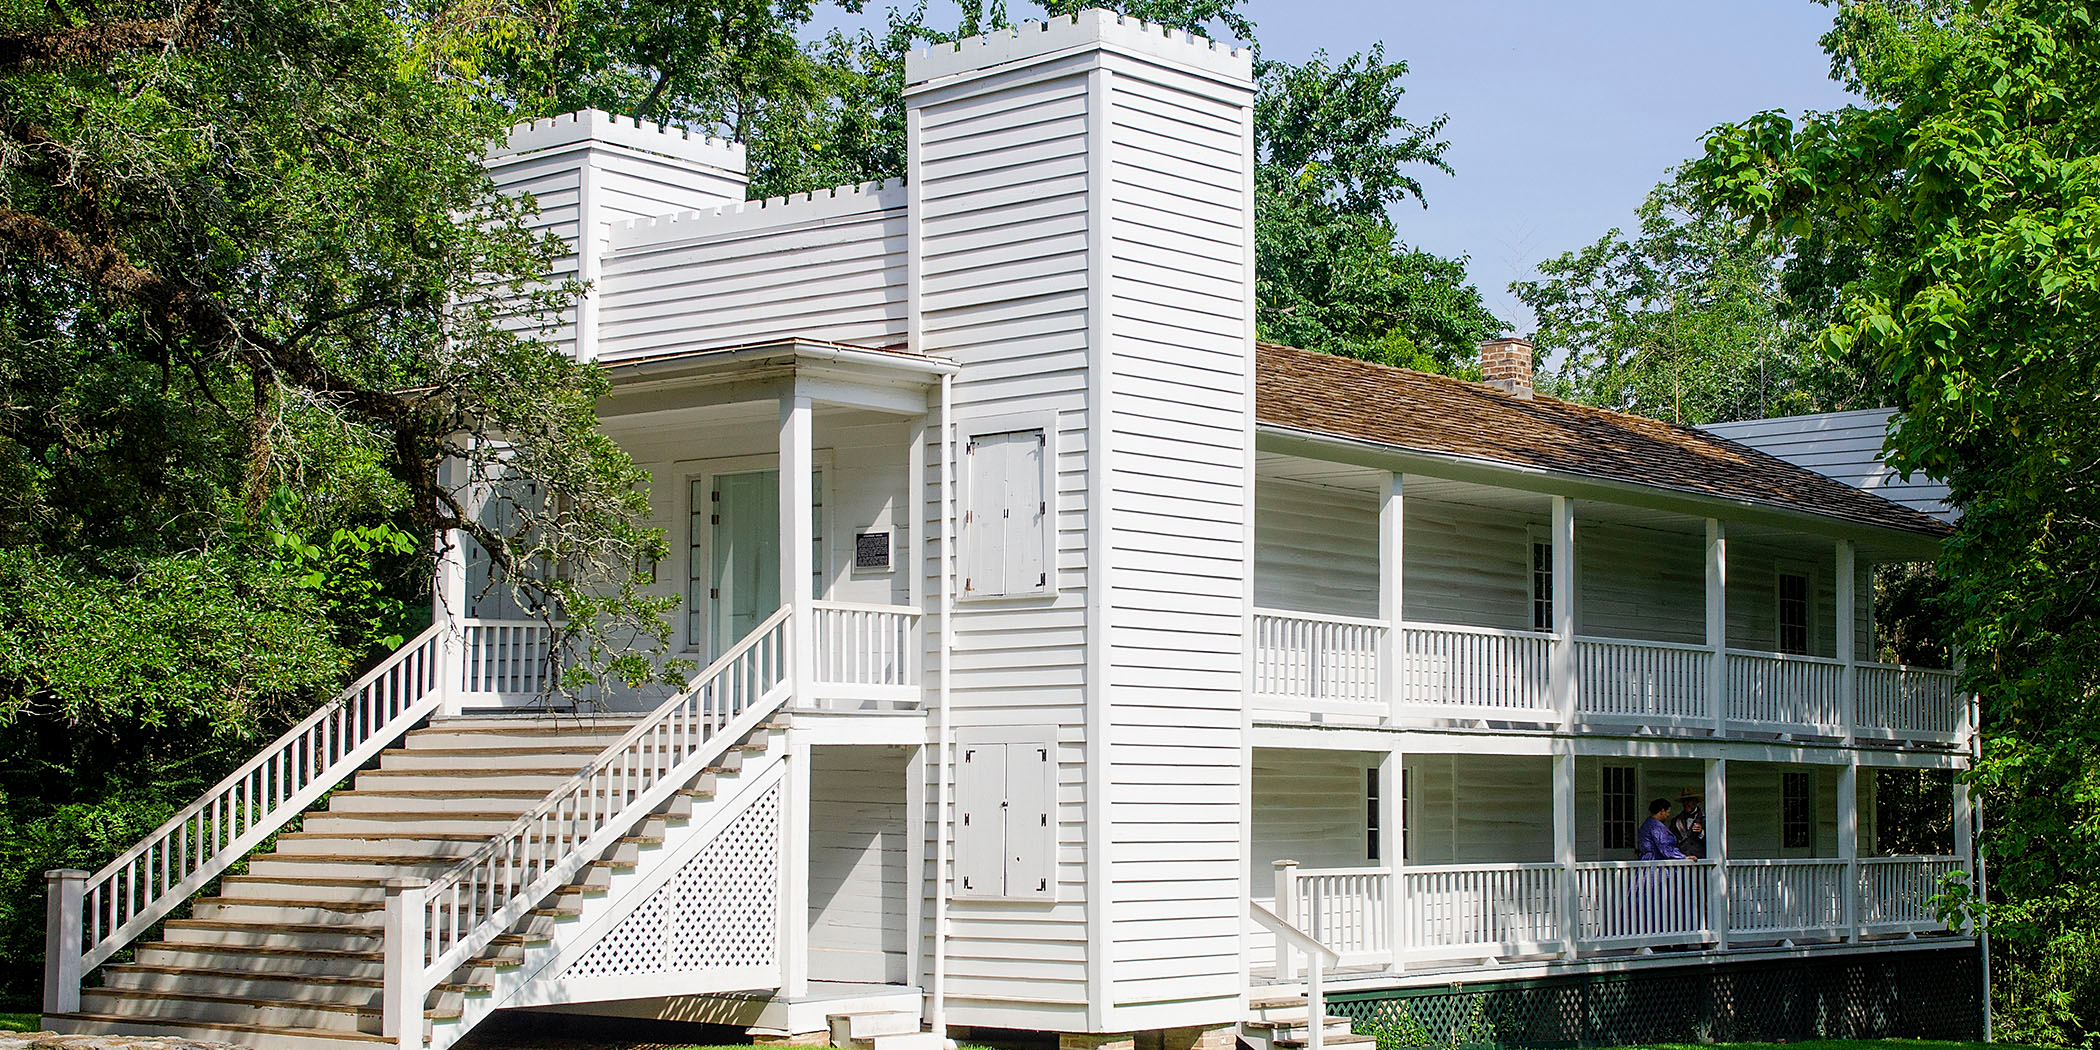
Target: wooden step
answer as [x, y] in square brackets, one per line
[223, 1032]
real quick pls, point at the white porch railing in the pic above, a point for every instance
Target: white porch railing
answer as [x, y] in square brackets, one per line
[508, 658]
[1895, 893]
[1347, 909]
[92, 916]
[867, 652]
[1480, 910]
[1786, 898]
[1460, 671]
[1909, 703]
[1775, 692]
[1633, 903]
[1304, 661]
[1649, 683]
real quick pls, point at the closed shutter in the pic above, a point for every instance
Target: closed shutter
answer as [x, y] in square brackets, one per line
[984, 525]
[1025, 513]
[980, 821]
[1031, 824]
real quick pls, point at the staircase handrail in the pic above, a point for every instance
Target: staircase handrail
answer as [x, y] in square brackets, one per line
[170, 864]
[1318, 958]
[485, 894]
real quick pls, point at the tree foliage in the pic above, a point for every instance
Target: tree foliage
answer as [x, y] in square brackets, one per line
[1970, 183]
[1692, 318]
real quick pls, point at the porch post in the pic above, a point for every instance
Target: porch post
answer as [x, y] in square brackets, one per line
[64, 891]
[794, 872]
[1846, 646]
[1562, 667]
[1964, 832]
[1564, 841]
[911, 517]
[401, 972]
[1717, 848]
[797, 535]
[1392, 646]
[450, 596]
[1390, 836]
[1848, 842]
[1717, 623]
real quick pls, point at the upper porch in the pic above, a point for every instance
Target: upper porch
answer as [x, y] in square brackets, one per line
[1405, 599]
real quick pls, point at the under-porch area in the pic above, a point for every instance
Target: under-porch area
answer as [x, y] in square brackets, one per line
[1455, 858]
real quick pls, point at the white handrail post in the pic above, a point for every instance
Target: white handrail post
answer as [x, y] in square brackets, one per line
[451, 672]
[1717, 849]
[1315, 1002]
[1391, 522]
[1717, 623]
[64, 889]
[794, 876]
[401, 998]
[1286, 909]
[1561, 675]
[1846, 645]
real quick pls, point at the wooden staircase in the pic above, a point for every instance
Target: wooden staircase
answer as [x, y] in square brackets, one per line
[1281, 1023]
[290, 953]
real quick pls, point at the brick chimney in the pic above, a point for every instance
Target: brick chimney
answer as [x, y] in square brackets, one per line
[1506, 364]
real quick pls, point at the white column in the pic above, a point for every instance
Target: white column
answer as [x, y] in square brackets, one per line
[1285, 893]
[1390, 609]
[797, 534]
[911, 517]
[1564, 838]
[1717, 847]
[1965, 834]
[402, 994]
[1848, 842]
[1846, 649]
[794, 872]
[1391, 833]
[1562, 668]
[63, 916]
[1717, 623]
[449, 595]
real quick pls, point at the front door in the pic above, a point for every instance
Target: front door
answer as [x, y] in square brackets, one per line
[744, 555]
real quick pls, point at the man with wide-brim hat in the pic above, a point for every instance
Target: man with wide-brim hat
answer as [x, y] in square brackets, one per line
[1689, 824]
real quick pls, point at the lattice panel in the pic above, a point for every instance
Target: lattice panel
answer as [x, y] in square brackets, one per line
[721, 910]
[1909, 995]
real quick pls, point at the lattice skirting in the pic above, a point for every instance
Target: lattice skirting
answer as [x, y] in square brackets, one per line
[720, 912]
[1917, 994]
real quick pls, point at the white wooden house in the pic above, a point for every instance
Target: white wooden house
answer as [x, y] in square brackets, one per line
[1072, 663]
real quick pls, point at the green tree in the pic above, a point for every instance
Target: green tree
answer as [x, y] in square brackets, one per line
[1692, 319]
[1969, 186]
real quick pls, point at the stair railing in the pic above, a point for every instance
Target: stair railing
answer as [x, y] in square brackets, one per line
[433, 928]
[90, 917]
[1318, 958]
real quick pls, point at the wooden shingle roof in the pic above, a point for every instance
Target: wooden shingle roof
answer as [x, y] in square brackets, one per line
[1438, 415]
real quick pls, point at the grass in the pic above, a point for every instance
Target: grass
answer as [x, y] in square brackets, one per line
[1837, 1044]
[19, 1023]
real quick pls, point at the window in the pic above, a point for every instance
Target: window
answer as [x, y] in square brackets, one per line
[1541, 581]
[1793, 613]
[1006, 512]
[1407, 814]
[1006, 826]
[1621, 807]
[1797, 827]
[1372, 822]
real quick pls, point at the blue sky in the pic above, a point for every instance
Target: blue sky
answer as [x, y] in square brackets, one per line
[1563, 113]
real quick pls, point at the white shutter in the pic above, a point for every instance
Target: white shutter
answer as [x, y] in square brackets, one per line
[1026, 512]
[984, 531]
[1031, 821]
[980, 832]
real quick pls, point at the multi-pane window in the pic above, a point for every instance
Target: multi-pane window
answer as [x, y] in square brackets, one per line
[1796, 810]
[1793, 613]
[1373, 824]
[1622, 807]
[1541, 584]
[1407, 825]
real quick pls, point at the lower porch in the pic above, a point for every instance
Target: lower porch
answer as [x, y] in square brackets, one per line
[1435, 862]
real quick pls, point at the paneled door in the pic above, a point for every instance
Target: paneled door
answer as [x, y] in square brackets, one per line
[744, 554]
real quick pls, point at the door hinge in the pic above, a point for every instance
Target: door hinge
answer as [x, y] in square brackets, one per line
[1042, 885]
[1007, 512]
[966, 583]
[714, 593]
[716, 495]
[714, 519]
[1042, 506]
[966, 883]
[1042, 579]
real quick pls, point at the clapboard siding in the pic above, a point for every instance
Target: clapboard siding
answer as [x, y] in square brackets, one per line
[1180, 375]
[818, 267]
[857, 864]
[1478, 809]
[1002, 268]
[1311, 807]
[1845, 446]
[1642, 584]
[1753, 604]
[553, 185]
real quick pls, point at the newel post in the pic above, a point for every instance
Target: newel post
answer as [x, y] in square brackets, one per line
[401, 999]
[64, 889]
[1287, 910]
